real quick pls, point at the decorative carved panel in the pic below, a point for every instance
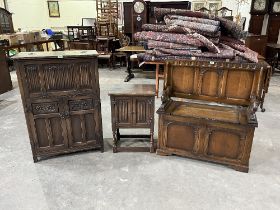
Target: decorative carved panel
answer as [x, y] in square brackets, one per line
[78, 105]
[45, 108]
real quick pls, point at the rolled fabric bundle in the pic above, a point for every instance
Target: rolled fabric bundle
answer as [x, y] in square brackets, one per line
[166, 28]
[224, 54]
[194, 19]
[190, 39]
[169, 45]
[178, 29]
[192, 25]
[149, 57]
[243, 52]
[228, 26]
[161, 12]
[232, 28]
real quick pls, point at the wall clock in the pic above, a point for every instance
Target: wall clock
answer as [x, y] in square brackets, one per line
[139, 15]
[274, 7]
[259, 7]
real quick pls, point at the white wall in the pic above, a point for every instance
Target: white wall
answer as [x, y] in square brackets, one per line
[244, 10]
[34, 14]
[1, 3]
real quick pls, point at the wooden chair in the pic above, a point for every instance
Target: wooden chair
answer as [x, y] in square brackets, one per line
[225, 13]
[204, 10]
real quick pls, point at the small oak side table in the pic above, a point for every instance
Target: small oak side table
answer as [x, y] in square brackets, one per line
[133, 107]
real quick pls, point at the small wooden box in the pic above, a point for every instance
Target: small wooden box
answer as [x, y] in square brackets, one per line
[219, 125]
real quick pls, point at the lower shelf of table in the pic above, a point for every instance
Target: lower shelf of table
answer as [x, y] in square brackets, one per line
[118, 148]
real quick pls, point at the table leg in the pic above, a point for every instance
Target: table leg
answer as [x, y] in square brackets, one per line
[152, 148]
[130, 74]
[115, 141]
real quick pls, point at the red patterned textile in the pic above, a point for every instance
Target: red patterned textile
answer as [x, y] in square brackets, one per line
[149, 57]
[228, 27]
[225, 53]
[161, 12]
[194, 19]
[192, 25]
[166, 28]
[190, 39]
[168, 45]
[179, 30]
[242, 51]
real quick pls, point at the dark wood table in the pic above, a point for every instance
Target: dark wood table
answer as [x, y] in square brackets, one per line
[25, 45]
[276, 48]
[133, 107]
[129, 50]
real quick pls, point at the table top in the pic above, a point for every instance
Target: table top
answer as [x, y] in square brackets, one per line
[131, 49]
[29, 43]
[273, 45]
[55, 54]
[134, 90]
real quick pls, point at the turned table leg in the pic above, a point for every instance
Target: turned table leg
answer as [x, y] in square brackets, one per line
[115, 141]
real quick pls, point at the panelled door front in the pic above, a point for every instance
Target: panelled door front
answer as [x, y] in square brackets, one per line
[142, 111]
[82, 118]
[123, 111]
[48, 126]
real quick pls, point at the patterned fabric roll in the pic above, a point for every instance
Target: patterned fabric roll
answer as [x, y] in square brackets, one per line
[225, 53]
[148, 57]
[192, 25]
[166, 28]
[179, 30]
[189, 39]
[228, 26]
[232, 28]
[169, 45]
[194, 19]
[161, 12]
[242, 51]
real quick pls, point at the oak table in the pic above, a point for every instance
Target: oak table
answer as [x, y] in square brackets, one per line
[158, 75]
[133, 107]
[129, 50]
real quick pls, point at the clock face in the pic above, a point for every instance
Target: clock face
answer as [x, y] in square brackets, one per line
[276, 7]
[259, 5]
[139, 7]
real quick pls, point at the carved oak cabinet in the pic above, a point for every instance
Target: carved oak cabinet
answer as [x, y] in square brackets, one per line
[219, 125]
[133, 107]
[61, 100]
